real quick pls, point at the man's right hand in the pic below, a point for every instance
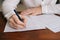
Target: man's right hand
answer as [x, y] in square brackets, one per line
[16, 23]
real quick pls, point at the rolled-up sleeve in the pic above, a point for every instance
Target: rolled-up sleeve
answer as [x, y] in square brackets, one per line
[8, 7]
[50, 7]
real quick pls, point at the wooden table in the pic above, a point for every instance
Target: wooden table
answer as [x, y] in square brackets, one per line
[28, 35]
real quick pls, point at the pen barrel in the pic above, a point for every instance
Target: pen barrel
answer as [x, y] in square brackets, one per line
[17, 14]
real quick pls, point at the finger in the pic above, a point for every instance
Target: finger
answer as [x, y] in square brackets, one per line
[24, 12]
[36, 14]
[11, 24]
[20, 27]
[17, 21]
[27, 12]
[24, 19]
[14, 25]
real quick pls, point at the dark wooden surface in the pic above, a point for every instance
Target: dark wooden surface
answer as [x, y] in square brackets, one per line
[28, 35]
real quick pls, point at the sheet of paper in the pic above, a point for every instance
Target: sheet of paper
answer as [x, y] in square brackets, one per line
[39, 22]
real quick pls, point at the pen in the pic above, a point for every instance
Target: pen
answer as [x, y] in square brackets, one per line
[17, 14]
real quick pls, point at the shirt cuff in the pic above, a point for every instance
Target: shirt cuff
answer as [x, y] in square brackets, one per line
[44, 9]
[8, 15]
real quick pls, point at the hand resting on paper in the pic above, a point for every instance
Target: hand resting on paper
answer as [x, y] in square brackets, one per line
[16, 23]
[32, 11]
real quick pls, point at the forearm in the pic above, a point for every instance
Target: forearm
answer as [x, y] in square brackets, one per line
[8, 7]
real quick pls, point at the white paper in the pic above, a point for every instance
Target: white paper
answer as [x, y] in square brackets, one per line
[39, 22]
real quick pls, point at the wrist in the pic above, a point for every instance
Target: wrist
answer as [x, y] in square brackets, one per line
[8, 15]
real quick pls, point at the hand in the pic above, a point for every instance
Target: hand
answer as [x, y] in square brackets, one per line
[16, 23]
[32, 11]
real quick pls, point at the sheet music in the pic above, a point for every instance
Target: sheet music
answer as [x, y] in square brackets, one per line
[39, 22]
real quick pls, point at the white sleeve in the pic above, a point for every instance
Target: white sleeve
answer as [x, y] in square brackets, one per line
[8, 7]
[50, 7]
